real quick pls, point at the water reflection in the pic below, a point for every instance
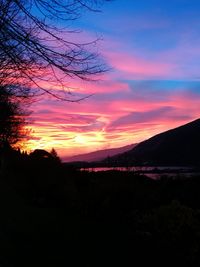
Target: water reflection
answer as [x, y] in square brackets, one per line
[151, 171]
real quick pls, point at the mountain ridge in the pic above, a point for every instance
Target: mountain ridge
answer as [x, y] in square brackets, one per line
[178, 146]
[99, 154]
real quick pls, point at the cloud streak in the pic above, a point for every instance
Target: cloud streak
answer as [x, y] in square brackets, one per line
[112, 120]
[153, 84]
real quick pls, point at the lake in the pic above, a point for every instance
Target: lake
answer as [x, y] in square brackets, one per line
[151, 171]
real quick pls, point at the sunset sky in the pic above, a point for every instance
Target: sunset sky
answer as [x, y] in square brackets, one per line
[153, 50]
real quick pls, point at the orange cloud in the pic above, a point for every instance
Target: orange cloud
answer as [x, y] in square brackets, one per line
[119, 112]
[109, 120]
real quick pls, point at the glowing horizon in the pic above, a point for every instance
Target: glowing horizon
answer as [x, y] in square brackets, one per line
[153, 86]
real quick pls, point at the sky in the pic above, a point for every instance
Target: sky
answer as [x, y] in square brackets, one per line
[152, 48]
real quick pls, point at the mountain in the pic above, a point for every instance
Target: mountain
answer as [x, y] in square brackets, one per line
[179, 146]
[99, 154]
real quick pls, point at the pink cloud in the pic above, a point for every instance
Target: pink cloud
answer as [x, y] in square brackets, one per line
[119, 113]
[99, 122]
[134, 67]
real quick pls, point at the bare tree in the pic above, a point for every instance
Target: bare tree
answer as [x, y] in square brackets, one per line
[33, 49]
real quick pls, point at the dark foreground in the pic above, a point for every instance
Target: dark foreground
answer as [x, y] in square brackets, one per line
[53, 216]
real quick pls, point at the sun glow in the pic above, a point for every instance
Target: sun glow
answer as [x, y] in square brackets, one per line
[90, 138]
[81, 139]
[65, 142]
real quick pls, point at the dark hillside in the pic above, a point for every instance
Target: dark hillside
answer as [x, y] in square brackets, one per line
[179, 146]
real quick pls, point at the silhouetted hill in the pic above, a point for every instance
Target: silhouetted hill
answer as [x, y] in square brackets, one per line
[99, 155]
[179, 146]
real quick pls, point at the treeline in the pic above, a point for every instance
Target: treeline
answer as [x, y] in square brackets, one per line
[54, 215]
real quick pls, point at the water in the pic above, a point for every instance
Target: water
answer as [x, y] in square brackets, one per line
[151, 171]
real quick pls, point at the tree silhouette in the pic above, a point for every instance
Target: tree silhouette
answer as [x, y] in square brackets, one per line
[12, 119]
[54, 155]
[34, 50]
[12, 122]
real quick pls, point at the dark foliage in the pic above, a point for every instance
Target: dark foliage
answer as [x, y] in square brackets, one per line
[12, 118]
[52, 215]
